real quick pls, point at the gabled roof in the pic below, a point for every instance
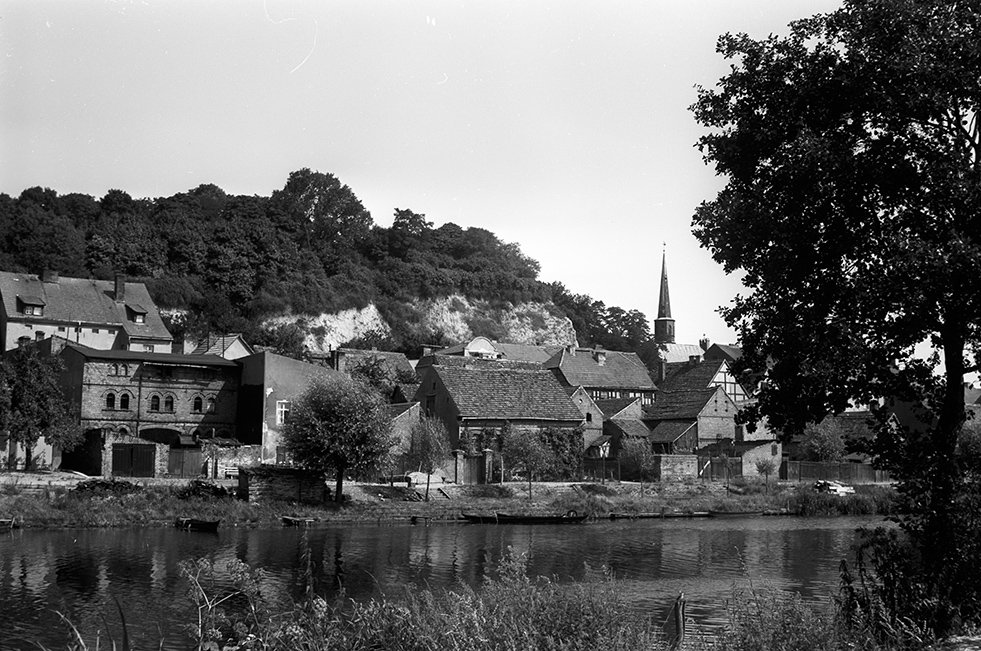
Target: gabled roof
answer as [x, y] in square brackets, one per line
[595, 368]
[516, 352]
[678, 405]
[669, 431]
[630, 427]
[613, 406]
[724, 351]
[82, 300]
[679, 352]
[396, 410]
[219, 344]
[168, 359]
[457, 361]
[505, 394]
[686, 376]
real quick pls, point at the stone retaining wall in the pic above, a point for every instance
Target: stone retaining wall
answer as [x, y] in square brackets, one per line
[262, 484]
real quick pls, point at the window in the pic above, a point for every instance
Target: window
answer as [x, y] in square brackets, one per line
[196, 406]
[124, 370]
[38, 336]
[211, 405]
[154, 403]
[283, 411]
[61, 328]
[124, 401]
[33, 310]
[589, 417]
[95, 331]
[139, 318]
[169, 404]
[147, 348]
[430, 405]
[110, 401]
[113, 369]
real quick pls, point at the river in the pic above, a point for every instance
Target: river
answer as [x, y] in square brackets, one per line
[78, 572]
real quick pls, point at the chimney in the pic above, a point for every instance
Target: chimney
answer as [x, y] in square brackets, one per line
[704, 343]
[694, 359]
[427, 351]
[600, 356]
[49, 276]
[571, 349]
[662, 371]
[119, 291]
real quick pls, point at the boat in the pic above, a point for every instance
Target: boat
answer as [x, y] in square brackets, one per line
[734, 514]
[504, 518]
[294, 521]
[657, 515]
[193, 524]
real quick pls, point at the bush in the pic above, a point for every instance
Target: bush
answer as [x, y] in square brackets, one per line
[202, 489]
[113, 486]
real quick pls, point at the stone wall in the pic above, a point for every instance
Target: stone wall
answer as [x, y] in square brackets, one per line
[675, 467]
[229, 459]
[262, 484]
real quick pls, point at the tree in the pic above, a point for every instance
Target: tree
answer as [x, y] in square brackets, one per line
[851, 152]
[337, 425]
[824, 441]
[637, 456]
[429, 446]
[766, 467]
[32, 403]
[527, 450]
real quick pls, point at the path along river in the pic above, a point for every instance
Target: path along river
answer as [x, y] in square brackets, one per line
[79, 572]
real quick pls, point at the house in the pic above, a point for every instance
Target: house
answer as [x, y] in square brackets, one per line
[681, 421]
[470, 400]
[138, 410]
[270, 384]
[697, 373]
[603, 373]
[100, 314]
[622, 419]
[484, 348]
[592, 425]
[403, 417]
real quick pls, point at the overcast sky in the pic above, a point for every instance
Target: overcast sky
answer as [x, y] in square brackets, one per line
[560, 125]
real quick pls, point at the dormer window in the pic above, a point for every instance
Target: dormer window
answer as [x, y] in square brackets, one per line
[31, 305]
[136, 313]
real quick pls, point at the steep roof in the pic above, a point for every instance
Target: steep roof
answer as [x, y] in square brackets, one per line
[613, 406]
[590, 367]
[170, 359]
[457, 361]
[74, 300]
[686, 376]
[396, 410]
[218, 344]
[631, 427]
[669, 431]
[679, 352]
[678, 405]
[506, 394]
[724, 351]
[515, 352]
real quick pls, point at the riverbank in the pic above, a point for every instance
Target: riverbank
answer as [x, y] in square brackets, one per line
[57, 500]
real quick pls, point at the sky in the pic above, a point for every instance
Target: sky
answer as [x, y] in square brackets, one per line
[561, 125]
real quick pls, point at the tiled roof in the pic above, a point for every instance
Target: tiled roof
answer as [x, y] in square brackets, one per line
[669, 431]
[724, 351]
[505, 394]
[679, 352]
[613, 406]
[456, 361]
[91, 302]
[617, 370]
[632, 427]
[173, 359]
[685, 376]
[218, 344]
[677, 405]
[396, 410]
[514, 352]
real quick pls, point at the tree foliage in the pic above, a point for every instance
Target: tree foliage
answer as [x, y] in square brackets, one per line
[429, 447]
[337, 425]
[32, 403]
[637, 458]
[308, 248]
[851, 153]
[526, 450]
[824, 441]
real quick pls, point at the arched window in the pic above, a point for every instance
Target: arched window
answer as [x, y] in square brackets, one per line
[124, 370]
[211, 405]
[110, 401]
[154, 403]
[169, 404]
[114, 370]
[197, 405]
[124, 401]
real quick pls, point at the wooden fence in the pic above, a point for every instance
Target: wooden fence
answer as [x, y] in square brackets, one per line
[848, 473]
[719, 468]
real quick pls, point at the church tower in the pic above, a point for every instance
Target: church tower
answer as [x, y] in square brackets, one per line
[664, 324]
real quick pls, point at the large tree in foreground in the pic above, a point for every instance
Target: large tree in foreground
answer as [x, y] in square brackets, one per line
[32, 403]
[851, 152]
[337, 425]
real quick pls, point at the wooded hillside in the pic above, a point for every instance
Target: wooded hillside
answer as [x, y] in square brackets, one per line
[310, 248]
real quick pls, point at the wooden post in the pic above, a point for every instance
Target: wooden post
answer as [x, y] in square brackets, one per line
[677, 618]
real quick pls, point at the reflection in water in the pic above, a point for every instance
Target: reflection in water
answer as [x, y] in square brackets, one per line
[81, 572]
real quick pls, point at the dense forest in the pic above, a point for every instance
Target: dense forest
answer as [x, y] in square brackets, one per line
[232, 261]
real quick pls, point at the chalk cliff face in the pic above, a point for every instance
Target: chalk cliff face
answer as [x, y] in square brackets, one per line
[452, 319]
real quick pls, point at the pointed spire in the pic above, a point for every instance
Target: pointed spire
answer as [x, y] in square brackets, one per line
[664, 304]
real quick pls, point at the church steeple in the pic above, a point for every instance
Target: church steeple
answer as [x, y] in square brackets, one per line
[664, 324]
